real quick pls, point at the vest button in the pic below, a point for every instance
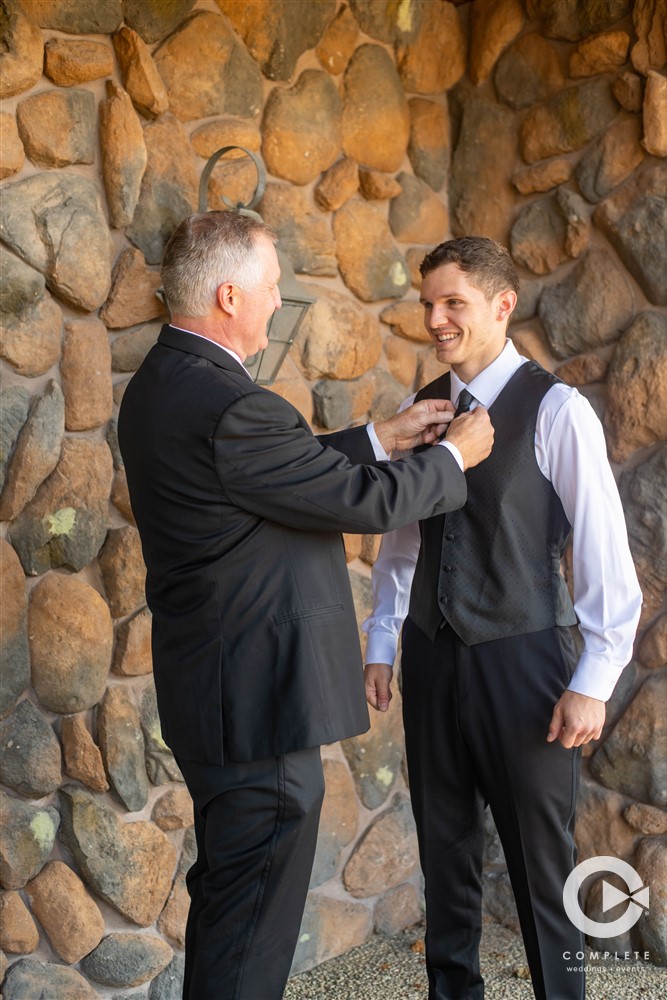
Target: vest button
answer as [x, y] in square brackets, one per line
[447, 568]
[450, 536]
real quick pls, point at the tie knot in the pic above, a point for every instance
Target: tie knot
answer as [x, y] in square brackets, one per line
[465, 401]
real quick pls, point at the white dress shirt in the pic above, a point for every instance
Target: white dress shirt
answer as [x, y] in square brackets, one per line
[571, 453]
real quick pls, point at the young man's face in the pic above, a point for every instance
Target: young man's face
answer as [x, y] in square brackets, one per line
[468, 329]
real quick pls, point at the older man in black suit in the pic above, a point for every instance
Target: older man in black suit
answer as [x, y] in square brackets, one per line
[255, 646]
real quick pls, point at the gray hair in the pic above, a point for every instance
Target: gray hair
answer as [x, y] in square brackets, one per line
[205, 251]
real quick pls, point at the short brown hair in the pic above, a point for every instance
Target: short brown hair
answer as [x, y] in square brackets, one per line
[487, 263]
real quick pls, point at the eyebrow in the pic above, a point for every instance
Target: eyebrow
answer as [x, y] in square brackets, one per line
[446, 295]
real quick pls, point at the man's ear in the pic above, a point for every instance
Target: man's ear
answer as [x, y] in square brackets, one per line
[227, 298]
[506, 301]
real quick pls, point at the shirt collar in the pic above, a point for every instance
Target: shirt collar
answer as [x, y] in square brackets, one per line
[201, 336]
[488, 384]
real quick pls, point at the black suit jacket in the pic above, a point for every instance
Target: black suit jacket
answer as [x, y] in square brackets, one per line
[240, 508]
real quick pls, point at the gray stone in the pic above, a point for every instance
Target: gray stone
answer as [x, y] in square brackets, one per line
[31, 341]
[77, 17]
[498, 899]
[590, 308]
[58, 127]
[481, 196]
[330, 927]
[635, 220]
[374, 758]
[549, 231]
[620, 696]
[633, 759]
[123, 571]
[130, 865]
[62, 213]
[22, 55]
[304, 235]
[168, 985]
[14, 650]
[573, 20]
[27, 836]
[168, 189]
[386, 855]
[30, 757]
[397, 909]
[651, 865]
[610, 160]
[333, 403]
[643, 493]
[65, 523]
[122, 745]
[160, 764]
[593, 908]
[388, 394]
[14, 405]
[37, 451]
[567, 121]
[428, 146]
[207, 70]
[21, 287]
[277, 34]
[127, 959]
[417, 213]
[528, 71]
[636, 413]
[153, 21]
[529, 297]
[382, 21]
[124, 155]
[370, 263]
[29, 979]
[129, 349]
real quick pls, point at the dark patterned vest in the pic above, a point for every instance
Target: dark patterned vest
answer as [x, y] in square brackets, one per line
[492, 568]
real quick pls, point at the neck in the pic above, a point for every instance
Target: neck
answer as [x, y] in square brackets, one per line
[206, 327]
[468, 370]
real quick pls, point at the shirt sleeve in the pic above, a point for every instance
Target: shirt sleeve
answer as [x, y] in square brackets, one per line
[571, 451]
[392, 579]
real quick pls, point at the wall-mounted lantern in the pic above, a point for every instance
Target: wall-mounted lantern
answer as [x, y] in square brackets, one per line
[285, 322]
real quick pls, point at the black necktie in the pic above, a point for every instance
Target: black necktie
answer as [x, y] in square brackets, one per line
[465, 400]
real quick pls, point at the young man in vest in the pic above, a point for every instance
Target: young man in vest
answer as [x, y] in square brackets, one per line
[496, 701]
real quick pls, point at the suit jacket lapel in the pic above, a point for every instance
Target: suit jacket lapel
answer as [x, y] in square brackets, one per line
[202, 348]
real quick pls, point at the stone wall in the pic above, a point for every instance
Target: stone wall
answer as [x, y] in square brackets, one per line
[384, 128]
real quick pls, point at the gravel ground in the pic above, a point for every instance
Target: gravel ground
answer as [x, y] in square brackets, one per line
[393, 969]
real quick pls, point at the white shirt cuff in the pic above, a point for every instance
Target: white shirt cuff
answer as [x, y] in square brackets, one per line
[595, 676]
[380, 454]
[382, 647]
[458, 457]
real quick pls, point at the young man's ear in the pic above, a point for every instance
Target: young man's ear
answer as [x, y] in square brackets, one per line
[505, 304]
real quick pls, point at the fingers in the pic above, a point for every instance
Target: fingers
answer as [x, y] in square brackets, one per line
[472, 433]
[378, 685]
[576, 720]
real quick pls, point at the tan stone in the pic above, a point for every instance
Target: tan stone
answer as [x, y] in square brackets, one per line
[132, 299]
[401, 360]
[85, 368]
[31, 343]
[12, 153]
[330, 927]
[66, 911]
[230, 131]
[123, 571]
[616, 155]
[132, 652]
[567, 120]
[406, 319]
[417, 213]
[18, 932]
[376, 120]
[13, 629]
[120, 496]
[338, 184]
[601, 53]
[122, 745]
[397, 909]
[528, 72]
[352, 545]
[301, 133]
[386, 855]
[428, 147]
[583, 370]
[118, 391]
[532, 345]
[370, 263]
[129, 349]
[428, 368]
[649, 18]
[655, 115]
[36, 453]
[173, 919]
[290, 385]
[82, 756]
[338, 42]
[651, 866]
[207, 71]
[305, 235]
[71, 639]
[22, 53]
[338, 338]
[436, 58]
[376, 186]
[495, 23]
[57, 127]
[370, 548]
[338, 821]
[233, 182]
[601, 827]
[68, 62]
[628, 91]
[173, 810]
[414, 257]
[124, 154]
[653, 646]
[647, 819]
[542, 176]
[141, 78]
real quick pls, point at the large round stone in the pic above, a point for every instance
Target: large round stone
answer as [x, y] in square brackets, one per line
[338, 339]
[302, 128]
[370, 263]
[376, 121]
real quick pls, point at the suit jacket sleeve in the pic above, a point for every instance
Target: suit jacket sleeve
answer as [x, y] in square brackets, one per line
[269, 464]
[354, 443]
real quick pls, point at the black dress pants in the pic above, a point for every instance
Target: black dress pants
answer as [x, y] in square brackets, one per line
[476, 720]
[256, 828]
